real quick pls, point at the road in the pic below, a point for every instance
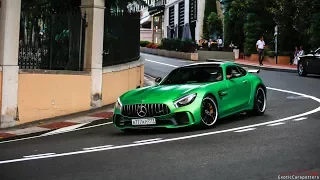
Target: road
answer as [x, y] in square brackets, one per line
[286, 139]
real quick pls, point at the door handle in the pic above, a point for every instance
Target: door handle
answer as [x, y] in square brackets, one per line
[245, 81]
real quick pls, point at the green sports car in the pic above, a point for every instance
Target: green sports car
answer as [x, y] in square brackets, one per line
[192, 95]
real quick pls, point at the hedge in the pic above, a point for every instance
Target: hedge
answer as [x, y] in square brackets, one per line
[173, 44]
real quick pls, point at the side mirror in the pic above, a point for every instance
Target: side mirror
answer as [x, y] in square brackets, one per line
[158, 79]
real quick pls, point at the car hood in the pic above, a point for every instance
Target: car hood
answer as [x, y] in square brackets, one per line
[158, 93]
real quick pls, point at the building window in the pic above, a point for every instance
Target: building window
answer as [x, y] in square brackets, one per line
[171, 20]
[181, 19]
[193, 11]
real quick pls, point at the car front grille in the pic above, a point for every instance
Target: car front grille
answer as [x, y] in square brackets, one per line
[145, 110]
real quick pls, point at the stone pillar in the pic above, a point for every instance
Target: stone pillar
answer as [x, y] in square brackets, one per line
[94, 10]
[166, 22]
[152, 28]
[199, 24]
[9, 47]
[186, 11]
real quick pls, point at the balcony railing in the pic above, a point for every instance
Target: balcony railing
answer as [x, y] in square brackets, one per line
[160, 2]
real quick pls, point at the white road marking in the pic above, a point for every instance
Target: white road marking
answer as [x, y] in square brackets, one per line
[64, 129]
[39, 155]
[244, 130]
[177, 138]
[161, 63]
[97, 147]
[276, 124]
[84, 119]
[33, 137]
[148, 140]
[300, 119]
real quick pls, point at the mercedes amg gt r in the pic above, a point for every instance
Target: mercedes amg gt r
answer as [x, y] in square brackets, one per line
[192, 95]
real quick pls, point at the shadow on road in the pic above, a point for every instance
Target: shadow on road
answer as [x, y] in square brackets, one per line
[157, 131]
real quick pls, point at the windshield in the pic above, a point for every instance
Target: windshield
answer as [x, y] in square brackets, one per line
[186, 75]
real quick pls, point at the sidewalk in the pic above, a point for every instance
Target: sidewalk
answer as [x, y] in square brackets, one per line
[66, 123]
[266, 65]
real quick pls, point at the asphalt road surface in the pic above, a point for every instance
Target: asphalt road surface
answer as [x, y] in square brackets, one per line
[285, 140]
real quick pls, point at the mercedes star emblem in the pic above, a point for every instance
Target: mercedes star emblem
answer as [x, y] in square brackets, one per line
[142, 111]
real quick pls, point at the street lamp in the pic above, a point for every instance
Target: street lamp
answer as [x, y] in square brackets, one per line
[276, 42]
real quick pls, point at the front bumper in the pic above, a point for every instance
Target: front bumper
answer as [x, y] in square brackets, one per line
[173, 120]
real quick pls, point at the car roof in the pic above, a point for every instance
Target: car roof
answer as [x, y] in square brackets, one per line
[216, 63]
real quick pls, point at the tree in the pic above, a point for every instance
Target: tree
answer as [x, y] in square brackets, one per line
[214, 25]
[210, 6]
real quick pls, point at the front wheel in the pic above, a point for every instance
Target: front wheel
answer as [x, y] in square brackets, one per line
[260, 102]
[209, 111]
[301, 69]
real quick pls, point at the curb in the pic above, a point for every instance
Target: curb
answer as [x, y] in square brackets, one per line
[60, 124]
[260, 67]
[52, 127]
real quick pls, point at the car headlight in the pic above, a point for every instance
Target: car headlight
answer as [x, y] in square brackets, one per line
[186, 100]
[118, 104]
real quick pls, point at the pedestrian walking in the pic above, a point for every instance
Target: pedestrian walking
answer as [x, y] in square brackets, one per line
[260, 45]
[301, 52]
[296, 56]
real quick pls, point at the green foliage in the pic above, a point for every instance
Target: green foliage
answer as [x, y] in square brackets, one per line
[234, 19]
[188, 46]
[214, 24]
[252, 30]
[210, 6]
[144, 43]
[314, 31]
[271, 53]
[176, 44]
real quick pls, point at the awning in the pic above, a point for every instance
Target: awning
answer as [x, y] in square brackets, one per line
[145, 19]
[156, 10]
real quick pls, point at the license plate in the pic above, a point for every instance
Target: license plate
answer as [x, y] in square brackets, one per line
[148, 121]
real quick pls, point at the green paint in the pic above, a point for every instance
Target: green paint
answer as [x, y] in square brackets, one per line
[238, 96]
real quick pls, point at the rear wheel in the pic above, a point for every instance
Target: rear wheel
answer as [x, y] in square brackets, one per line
[301, 68]
[209, 111]
[260, 102]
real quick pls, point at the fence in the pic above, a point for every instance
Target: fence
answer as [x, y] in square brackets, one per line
[121, 38]
[52, 41]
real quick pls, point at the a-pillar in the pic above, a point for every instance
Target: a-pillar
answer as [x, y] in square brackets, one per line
[94, 10]
[9, 47]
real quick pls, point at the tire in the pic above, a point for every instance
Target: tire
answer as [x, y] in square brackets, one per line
[301, 68]
[209, 112]
[260, 102]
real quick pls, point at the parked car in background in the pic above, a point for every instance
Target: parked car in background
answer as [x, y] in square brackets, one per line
[309, 63]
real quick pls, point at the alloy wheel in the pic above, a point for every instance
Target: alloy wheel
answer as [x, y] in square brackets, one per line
[300, 69]
[209, 112]
[261, 100]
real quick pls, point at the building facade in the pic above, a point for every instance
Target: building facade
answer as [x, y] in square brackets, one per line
[28, 95]
[178, 13]
[151, 20]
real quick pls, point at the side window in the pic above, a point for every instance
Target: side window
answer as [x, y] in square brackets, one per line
[232, 70]
[242, 71]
